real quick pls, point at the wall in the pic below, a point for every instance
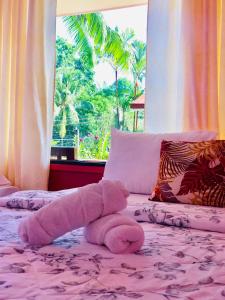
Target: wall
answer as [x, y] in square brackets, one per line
[68, 7]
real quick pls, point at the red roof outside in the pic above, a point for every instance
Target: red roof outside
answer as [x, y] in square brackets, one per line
[138, 103]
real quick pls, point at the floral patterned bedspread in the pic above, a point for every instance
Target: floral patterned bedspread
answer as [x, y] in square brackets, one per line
[32, 199]
[179, 215]
[176, 261]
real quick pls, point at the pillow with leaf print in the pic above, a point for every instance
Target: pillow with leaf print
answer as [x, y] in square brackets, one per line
[191, 172]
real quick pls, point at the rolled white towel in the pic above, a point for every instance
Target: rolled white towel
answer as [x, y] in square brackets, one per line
[73, 211]
[119, 233]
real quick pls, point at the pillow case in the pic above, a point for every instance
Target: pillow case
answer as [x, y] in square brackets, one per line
[134, 157]
[192, 173]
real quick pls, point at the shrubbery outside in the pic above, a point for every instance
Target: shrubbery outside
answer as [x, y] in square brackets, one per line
[85, 112]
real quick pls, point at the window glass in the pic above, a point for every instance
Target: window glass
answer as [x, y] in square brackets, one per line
[100, 78]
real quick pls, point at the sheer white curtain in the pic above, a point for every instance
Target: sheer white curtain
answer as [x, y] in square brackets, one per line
[164, 82]
[27, 59]
[186, 66]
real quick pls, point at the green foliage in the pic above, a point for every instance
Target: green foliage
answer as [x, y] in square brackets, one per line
[139, 56]
[74, 85]
[79, 105]
[95, 146]
[87, 31]
[65, 54]
[115, 50]
[138, 65]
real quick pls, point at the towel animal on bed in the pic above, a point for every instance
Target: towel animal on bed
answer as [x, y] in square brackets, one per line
[80, 208]
[120, 234]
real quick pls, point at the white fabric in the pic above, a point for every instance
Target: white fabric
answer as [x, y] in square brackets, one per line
[185, 66]
[134, 157]
[27, 57]
[164, 84]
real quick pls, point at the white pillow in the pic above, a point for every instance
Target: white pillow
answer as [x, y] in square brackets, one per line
[134, 157]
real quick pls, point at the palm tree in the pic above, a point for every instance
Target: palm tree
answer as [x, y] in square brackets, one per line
[117, 52]
[138, 64]
[88, 32]
[65, 96]
[125, 91]
[95, 40]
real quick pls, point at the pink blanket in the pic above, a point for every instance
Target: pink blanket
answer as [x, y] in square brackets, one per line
[173, 264]
[119, 233]
[73, 211]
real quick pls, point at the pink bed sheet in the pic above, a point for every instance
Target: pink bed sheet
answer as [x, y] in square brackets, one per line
[176, 261]
[205, 218]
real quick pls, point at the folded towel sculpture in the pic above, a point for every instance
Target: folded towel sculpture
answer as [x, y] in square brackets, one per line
[119, 233]
[72, 211]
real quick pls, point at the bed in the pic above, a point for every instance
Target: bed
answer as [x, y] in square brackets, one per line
[182, 258]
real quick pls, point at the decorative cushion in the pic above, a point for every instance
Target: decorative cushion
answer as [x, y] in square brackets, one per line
[191, 173]
[134, 157]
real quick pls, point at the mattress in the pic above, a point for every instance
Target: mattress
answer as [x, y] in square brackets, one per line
[179, 259]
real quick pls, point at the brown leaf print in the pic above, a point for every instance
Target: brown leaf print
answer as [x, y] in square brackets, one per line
[199, 170]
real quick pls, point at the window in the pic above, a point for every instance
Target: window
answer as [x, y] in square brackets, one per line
[100, 77]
